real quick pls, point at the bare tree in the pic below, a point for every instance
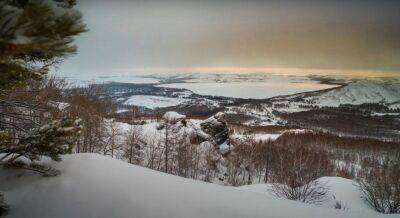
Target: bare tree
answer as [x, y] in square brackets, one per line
[112, 138]
[133, 149]
[88, 104]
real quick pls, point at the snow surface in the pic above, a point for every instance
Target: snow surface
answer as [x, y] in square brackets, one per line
[91, 185]
[59, 105]
[266, 137]
[225, 148]
[260, 137]
[152, 101]
[344, 191]
[172, 116]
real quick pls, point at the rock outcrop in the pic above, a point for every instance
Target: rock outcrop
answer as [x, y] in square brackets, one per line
[216, 127]
[173, 117]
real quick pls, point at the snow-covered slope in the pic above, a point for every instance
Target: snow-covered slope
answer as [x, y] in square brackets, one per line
[91, 185]
[343, 192]
[355, 93]
[363, 91]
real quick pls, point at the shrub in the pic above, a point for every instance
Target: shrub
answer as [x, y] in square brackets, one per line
[381, 186]
[296, 173]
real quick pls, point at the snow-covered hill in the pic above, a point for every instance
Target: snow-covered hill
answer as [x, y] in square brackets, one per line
[363, 91]
[92, 185]
[354, 93]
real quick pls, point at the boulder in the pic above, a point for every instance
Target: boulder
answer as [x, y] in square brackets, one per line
[173, 117]
[216, 127]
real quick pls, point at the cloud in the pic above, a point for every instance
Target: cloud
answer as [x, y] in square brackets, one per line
[246, 34]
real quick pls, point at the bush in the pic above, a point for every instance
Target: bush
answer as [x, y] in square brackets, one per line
[312, 192]
[381, 186]
[296, 172]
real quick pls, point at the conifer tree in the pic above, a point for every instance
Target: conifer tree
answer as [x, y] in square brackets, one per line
[34, 36]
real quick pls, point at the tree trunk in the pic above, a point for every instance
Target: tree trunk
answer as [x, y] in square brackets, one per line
[166, 147]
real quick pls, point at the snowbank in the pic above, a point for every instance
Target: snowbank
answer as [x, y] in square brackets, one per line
[92, 185]
[343, 191]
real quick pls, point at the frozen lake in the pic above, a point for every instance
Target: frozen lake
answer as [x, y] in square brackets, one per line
[256, 90]
[257, 85]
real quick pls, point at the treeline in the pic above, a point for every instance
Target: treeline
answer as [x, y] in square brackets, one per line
[346, 121]
[295, 161]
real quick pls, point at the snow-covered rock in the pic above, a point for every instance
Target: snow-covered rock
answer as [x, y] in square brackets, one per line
[173, 117]
[92, 185]
[216, 127]
[59, 105]
[225, 148]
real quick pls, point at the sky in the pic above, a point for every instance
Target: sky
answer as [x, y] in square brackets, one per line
[299, 36]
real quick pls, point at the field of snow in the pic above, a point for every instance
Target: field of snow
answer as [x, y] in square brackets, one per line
[151, 101]
[92, 185]
[341, 190]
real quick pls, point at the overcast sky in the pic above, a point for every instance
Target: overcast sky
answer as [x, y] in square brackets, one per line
[135, 36]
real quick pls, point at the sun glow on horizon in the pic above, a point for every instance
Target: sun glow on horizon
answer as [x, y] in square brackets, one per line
[270, 70]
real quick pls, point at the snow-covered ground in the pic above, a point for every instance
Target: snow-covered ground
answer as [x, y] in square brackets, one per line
[262, 137]
[151, 101]
[343, 191]
[92, 185]
[259, 137]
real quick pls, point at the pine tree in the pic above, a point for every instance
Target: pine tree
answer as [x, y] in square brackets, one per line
[34, 36]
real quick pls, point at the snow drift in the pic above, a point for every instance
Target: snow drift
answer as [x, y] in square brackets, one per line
[92, 185]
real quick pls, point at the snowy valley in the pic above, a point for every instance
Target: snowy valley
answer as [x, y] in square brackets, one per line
[365, 103]
[240, 146]
[199, 109]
